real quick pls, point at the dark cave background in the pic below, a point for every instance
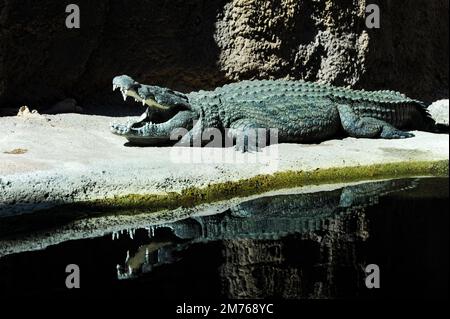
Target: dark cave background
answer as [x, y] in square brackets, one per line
[200, 44]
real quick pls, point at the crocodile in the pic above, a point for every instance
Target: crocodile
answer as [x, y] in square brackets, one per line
[292, 111]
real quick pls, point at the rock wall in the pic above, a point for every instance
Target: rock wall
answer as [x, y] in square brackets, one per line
[410, 51]
[199, 44]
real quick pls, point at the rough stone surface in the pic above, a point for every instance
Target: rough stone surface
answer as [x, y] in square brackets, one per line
[70, 157]
[439, 111]
[199, 44]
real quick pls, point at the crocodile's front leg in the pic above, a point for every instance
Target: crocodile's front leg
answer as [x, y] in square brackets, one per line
[193, 137]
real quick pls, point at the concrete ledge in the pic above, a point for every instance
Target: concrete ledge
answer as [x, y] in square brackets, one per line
[46, 161]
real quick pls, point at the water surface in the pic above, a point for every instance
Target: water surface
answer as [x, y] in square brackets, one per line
[287, 246]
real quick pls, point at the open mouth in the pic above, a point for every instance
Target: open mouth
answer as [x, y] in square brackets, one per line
[166, 110]
[141, 94]
[138, 97]
[128, 88]
[126, 92]
[143, 124]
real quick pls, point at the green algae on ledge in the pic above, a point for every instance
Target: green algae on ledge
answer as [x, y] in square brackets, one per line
[193, 196]
[190, 197]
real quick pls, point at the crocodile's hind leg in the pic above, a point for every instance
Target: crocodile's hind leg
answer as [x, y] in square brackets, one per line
[368, 127]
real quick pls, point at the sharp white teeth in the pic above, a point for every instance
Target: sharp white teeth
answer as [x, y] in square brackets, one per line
[143, 101]
[115, 87]
[143, 117]
[124, 95]
[151, 231]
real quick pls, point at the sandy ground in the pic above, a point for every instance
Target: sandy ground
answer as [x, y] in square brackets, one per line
[52, 159]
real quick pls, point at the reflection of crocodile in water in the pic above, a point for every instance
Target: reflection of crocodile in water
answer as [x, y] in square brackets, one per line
[266, 218]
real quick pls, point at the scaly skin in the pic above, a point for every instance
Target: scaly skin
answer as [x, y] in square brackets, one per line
[301, 112]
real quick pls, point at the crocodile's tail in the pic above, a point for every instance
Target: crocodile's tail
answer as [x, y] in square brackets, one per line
[423, 120]
[427, 123]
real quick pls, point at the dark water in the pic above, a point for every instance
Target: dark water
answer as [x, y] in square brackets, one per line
[289, 246]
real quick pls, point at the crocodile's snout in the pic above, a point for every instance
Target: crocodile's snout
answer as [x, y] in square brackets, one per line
[126, 85]
[119, 129]
[124, 82]
[132, 129]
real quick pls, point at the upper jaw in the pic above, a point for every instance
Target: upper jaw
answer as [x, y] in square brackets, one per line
[141, 93]
[127, 87]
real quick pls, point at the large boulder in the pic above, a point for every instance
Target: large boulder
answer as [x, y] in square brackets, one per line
[197, 44]
[439, 112]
